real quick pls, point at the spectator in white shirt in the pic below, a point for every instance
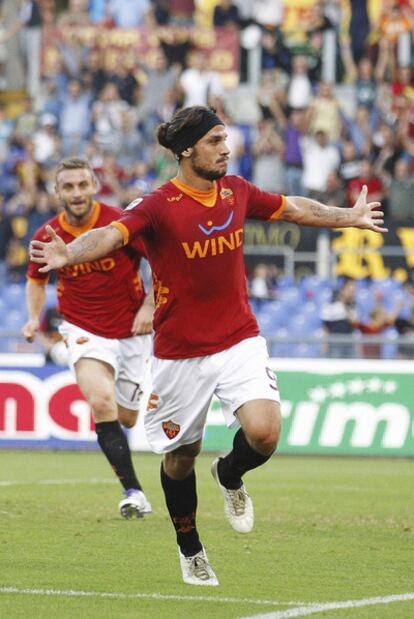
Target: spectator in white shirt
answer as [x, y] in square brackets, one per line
[198, 82]
[320, 158]
[300, 86]
[108, 115]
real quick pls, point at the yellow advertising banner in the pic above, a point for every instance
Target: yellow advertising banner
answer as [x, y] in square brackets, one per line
[129, 48]
[296, 14]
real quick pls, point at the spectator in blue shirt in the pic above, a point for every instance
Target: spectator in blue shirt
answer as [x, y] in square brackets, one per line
[75, 119]
[129, 13]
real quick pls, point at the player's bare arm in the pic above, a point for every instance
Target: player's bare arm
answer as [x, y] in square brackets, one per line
[307, 212]
[35, 300]
[90, 246]
[142, 324]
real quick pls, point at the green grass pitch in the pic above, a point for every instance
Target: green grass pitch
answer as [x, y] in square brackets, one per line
[326, 530]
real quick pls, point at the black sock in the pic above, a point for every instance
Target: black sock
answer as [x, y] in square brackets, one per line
[114, 444]
[241, 459]
[181, 500]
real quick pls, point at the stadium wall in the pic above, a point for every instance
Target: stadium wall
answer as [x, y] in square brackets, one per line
[328, 407]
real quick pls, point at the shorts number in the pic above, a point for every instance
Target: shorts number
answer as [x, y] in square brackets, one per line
[273, 380]
[137, 393]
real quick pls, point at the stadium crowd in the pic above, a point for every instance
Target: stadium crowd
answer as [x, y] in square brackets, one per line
[310, 137]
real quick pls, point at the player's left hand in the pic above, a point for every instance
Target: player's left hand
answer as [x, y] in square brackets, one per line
[30, 329]
[142, 324]
[366, 217]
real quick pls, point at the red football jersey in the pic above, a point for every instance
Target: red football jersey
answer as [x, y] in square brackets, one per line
[194, 242]
[101, 296]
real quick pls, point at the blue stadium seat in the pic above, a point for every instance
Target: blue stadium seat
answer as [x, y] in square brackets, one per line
[51, 296]
[300, 325]
[365, 304]
[3, 309]
[311, 310]
[306, 350]
[389, 291]
[311, 286]
[284, 282]
[14, 319]
[280, 349]
[390, 349]
[291, 299]
[271, 316]
[14, 296]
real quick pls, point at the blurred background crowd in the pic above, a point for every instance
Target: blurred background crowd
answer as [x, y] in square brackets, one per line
[318, 98]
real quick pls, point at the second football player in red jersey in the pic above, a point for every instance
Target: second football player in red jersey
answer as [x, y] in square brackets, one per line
[106, 322]
[206, 337]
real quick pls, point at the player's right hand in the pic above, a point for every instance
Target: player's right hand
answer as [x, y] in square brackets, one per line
[30, 329]
[54, 254]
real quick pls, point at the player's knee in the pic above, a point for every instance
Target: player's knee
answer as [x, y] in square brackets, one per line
[128, 422]
[265, 437]
[127, 418]
[103, 406]
[178, 464]
[264, 442]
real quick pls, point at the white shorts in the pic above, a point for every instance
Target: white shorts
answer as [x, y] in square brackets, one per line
[129, 358]
[183, 389]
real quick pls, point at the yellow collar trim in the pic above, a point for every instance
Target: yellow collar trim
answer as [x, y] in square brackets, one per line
[78, 230]
[206, 198]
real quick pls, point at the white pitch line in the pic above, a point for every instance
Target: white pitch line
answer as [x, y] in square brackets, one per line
[303, 611]
[153, 596]
[57, 482]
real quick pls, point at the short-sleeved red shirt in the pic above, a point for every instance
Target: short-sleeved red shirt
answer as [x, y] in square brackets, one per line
[194, 242]
[101, 296]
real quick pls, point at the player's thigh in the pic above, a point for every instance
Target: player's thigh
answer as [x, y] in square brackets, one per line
[134, 356]
[96, 380]
[177, 407]
[248, 386]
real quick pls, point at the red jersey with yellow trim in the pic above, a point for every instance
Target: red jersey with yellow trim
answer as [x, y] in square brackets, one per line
[101, 296]
[194, 242]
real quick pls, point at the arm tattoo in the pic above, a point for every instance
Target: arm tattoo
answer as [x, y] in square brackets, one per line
[330, 215]
[81, 246]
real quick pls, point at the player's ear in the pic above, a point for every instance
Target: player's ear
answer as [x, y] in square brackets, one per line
[187, 152]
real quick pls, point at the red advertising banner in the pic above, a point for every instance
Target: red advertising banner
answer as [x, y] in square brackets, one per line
[39, 408]
[134, 47]
[42, 407]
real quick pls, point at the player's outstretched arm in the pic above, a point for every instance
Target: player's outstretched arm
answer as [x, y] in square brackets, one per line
[35, 302]
[307, 212]
[90, 246]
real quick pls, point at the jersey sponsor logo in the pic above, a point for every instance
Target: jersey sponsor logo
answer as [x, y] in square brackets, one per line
[175, 198]
[215, 246]
[216, 228]
[104, 264]
[171, 429]
[133, 204]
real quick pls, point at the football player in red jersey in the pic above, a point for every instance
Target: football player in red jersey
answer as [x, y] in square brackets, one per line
[206, 338]
[107, 321]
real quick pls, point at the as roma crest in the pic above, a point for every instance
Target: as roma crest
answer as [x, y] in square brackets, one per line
[171, 429]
